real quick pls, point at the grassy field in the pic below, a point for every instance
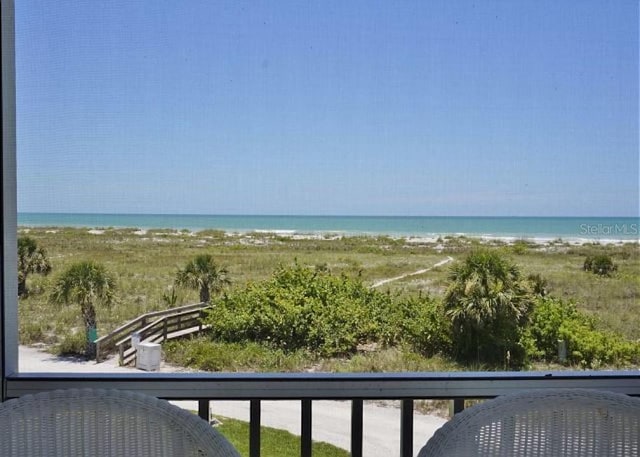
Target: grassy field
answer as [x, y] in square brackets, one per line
[273, 442]
[145, 264]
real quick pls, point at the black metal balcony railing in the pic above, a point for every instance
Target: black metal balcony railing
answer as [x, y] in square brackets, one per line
[358, 387]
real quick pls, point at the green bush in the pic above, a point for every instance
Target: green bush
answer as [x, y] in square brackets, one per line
[31, 332]
[553, 320]
[538, 284]
[421, 323]
[591, 348]
[521, 247]
[600, 264]
[72, 344]
[302, 308]
[546, 319]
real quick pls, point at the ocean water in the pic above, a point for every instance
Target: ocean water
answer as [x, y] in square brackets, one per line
[568, 228]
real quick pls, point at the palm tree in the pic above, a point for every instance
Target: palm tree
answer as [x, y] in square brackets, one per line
[31, 259]
[539, 284]
[204, 274]
[488, 304]
[86, 284]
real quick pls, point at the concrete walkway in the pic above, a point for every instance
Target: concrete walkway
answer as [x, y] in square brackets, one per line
[332, 422]
[331, 419]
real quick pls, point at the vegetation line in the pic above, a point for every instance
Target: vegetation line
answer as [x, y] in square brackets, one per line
[406, 275]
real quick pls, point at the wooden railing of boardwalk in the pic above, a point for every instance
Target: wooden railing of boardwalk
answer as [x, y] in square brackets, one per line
[152, 327]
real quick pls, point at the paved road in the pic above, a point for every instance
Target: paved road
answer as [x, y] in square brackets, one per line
[331, 419]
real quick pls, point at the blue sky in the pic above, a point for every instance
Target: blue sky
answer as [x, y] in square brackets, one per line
[359, 107]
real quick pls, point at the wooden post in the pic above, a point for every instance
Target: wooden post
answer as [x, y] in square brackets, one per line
[562, 351]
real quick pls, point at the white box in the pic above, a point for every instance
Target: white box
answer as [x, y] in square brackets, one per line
[148, 356]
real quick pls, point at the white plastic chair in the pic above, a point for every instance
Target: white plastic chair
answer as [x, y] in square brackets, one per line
[94, 422]
[557, 423]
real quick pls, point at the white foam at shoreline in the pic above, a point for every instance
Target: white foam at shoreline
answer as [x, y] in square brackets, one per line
[434, 238]
[328, 235]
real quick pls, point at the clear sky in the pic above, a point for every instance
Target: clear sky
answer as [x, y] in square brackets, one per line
[328, 107]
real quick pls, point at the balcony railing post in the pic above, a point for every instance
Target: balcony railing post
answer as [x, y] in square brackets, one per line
[305, 439]
[406, 428]
[356, 427]
[458, 405]
[203, 409]
[254, 428]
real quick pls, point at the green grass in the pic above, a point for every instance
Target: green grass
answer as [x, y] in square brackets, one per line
[273, 442]
[203, 354]
[145, 265]
[207, 355]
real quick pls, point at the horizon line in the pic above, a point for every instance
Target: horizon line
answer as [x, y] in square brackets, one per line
[322, 215]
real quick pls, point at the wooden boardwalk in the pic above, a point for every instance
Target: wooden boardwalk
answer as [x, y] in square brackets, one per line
[154, 327]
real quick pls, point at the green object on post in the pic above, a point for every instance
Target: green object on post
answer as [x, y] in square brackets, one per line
[92, 335]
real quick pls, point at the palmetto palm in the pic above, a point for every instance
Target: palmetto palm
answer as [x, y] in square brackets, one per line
[488, 303]
[204, 274]
[86, 284]
[31, 259]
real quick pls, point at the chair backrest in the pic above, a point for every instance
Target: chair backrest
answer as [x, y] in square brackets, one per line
[94, 422]
[550, 423]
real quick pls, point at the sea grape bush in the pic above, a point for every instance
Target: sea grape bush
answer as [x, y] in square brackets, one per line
[330, 315]
[423, 322]
[553, 319]
[545, 321]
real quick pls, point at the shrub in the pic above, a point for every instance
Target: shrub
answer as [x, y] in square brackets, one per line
[591, 348]
[204, 354]
[72, 344]
[421, 323]
[520, 247]
[538, 284]
[553, 320]
[31, 259]
[600, 264]
[546, 319]
[304, 308]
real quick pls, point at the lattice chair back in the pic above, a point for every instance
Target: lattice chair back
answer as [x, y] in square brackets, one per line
[549, 423]
[95, 423]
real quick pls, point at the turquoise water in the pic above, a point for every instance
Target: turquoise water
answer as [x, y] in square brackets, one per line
[592, 228]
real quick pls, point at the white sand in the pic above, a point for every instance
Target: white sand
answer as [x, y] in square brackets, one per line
[406, 275]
